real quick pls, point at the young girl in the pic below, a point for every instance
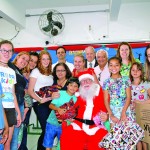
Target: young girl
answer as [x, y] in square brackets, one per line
[8, 81]
[118, 88]
[140, 91]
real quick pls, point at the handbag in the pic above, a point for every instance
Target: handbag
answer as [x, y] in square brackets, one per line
[47, 90]
[123, 136]
[70, 111]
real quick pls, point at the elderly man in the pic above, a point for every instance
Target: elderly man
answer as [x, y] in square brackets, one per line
[90, 61]
[102, 71]
[84, 131]
[61, 54]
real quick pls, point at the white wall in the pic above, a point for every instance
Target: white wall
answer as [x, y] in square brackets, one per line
[132, 25]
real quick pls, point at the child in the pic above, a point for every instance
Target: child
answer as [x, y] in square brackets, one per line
[140, 91]
[118, 87]
[53, 126]
[8, 80]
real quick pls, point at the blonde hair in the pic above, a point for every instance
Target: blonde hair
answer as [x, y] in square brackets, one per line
[80, 55]
[20, 54]
[45, 71]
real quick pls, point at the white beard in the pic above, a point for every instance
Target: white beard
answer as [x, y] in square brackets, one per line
[88, 93]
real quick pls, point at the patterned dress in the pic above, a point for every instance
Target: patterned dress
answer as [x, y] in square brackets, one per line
[139, 92]
[117, 91]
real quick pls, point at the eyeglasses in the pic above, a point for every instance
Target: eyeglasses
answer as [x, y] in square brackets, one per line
[99, 76]
[4, 51]
[60, 52]
[60, 71]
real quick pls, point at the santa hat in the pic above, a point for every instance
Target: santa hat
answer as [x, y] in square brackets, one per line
[85, 74]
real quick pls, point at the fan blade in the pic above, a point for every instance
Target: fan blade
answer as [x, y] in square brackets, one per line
[58, 24]
[49, 16]
[47, 28]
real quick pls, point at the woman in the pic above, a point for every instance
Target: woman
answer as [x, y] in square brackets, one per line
[147, 63]
[125, 54]
[79, 64]
[61, 74]
[41, 77]
[19, 63]
[28, 105]
[8, 81]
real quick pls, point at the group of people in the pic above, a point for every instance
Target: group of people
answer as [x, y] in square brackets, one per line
[101, 89]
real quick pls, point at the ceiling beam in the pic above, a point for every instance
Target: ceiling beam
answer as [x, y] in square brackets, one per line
[114, 9]
[14, 16]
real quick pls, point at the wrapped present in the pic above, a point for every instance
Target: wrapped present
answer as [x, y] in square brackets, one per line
[123, 136]
[69, 113]
[48, 90]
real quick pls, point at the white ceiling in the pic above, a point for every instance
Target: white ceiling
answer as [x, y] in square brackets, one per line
[15, 11]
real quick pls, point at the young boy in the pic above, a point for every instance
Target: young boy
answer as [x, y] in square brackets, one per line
[53, 126]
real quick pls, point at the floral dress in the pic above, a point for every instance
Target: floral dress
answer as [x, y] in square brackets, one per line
[117, 91]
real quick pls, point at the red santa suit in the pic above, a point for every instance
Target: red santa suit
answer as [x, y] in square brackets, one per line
[79, 135]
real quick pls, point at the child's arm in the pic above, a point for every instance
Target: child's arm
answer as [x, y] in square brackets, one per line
[106, 102]
[127, 103]
[60, 110]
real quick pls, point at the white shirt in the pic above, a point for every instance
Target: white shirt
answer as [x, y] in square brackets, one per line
[70, 65]
[93, 63]
[42, 80]
[102, 75]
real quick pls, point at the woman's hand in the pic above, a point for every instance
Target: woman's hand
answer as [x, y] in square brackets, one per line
[55, 95]
[18, 120]
[4, 136]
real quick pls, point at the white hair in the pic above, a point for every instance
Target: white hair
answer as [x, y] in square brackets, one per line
[102, 50]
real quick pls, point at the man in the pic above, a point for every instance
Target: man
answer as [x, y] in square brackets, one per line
[90, 61]
[83, 132]
[102, 71]
[61, 54]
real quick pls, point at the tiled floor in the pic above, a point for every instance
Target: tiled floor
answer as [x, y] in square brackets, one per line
[32, 142]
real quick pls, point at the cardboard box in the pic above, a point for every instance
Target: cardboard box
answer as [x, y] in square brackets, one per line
[143, 119]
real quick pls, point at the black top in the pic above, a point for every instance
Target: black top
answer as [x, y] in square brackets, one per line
[20, 85]
[63, 88]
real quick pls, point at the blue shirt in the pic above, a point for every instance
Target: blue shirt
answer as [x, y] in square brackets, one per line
[1, 108]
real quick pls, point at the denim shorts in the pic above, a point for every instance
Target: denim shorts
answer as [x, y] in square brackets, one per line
[51, 132]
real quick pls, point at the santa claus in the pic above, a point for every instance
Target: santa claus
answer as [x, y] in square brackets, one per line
[84, 132]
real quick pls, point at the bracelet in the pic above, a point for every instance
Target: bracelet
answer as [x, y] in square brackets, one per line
[40, 100]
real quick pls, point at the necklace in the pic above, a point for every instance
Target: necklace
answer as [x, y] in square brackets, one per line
[61, 83]
[4, 64]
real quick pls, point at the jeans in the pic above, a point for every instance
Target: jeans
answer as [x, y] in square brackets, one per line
[14, 141]
[42, 112]
[23, 145]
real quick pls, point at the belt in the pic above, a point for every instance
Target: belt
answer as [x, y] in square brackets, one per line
[86, 121]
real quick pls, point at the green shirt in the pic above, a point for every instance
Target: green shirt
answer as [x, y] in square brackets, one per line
[64, 98]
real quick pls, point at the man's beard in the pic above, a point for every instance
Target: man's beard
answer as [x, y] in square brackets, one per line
[88, 93]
